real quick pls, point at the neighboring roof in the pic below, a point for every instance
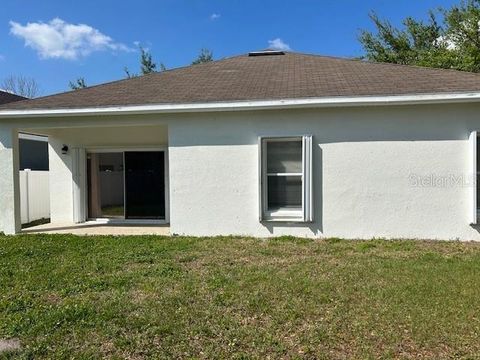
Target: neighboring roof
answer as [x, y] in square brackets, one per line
[6, 97]
[252, 78]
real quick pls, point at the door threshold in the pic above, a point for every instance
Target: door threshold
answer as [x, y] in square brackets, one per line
[128, 221]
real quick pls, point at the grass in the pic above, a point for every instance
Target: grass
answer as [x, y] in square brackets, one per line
[179, 297]
[113, 210]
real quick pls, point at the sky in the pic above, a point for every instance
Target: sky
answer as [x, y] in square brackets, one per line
[56, 41]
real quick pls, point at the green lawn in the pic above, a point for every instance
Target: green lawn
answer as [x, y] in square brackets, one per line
[154, 297]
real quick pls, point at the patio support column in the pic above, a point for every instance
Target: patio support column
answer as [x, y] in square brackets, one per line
[10, 222]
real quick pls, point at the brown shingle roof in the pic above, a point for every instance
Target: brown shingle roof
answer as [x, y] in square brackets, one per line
[244, 77]
[6, 97]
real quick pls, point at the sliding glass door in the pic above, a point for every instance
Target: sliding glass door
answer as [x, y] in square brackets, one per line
[145, 185]
[105, 185]
[126, 185]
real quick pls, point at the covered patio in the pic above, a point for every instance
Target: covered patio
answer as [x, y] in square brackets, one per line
[108, 175]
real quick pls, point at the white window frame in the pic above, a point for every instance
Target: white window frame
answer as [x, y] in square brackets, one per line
[474, 213]
[305, 213]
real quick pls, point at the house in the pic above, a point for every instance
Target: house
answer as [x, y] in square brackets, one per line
[264, 144]
[8, 97]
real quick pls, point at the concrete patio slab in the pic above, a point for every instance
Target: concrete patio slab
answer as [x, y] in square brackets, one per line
[96, 228]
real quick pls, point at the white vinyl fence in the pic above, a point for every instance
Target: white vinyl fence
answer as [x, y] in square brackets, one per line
[111, 187]
[34, 195]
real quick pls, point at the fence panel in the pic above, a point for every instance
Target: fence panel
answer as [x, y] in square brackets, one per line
[34, 195]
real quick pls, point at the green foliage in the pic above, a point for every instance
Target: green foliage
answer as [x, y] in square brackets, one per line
[147, 65]
[77, 84]
[204, 56]
[449, 39]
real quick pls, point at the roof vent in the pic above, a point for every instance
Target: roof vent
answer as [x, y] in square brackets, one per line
[266, 53]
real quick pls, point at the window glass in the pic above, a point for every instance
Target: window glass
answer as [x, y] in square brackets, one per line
[284, 156]
[105, 185]
[284, 192]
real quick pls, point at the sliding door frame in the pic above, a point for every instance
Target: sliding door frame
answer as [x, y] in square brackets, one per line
[123, 150]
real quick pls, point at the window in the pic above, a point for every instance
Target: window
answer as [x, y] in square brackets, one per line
[285, 179]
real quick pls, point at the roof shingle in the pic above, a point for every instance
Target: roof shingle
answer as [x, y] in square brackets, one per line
[6, 97]
[247, 78]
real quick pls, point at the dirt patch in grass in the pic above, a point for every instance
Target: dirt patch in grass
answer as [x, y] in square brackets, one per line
[9, 345]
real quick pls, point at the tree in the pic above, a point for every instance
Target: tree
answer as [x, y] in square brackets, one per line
[204, 56]
[21, 85]
[128, 73]
[450, 39]
[147, 65]
[77, 84]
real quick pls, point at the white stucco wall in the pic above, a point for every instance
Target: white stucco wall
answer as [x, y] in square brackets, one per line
[365, 160]
[9, 180]
[61, 184]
